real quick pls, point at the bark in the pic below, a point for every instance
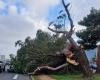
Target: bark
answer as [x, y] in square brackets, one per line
[81, 58]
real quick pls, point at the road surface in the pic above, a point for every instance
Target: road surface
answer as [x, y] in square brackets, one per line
[13, 76]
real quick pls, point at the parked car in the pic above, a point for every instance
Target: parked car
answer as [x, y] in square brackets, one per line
[2, 66]
[9, 68]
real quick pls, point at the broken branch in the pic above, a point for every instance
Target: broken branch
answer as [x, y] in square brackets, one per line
[49, 68]
[69, 17]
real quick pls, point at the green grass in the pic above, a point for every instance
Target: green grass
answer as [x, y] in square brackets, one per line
[73, 77]
[69, 77]
[34, 78]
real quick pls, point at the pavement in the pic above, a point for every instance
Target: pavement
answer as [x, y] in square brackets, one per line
[13, 76]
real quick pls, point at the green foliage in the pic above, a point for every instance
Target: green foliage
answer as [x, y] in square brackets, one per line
[74, 77]
[34, 52]
[67, 77]
[90, 36]
[92, 19]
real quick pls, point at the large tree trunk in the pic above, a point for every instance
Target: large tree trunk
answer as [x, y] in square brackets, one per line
[81, 58]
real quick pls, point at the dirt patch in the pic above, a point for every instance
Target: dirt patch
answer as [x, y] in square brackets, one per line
[44, 77]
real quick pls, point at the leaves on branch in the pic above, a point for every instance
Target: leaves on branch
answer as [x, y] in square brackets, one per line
[91, 35]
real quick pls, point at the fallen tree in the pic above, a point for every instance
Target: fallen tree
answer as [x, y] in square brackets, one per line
[81, 56]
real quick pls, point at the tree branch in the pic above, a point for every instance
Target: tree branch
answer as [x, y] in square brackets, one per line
[69, 17]
[68, 34]
[49, 68]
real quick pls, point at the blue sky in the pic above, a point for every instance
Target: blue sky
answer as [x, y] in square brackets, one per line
[22, 18]
[13, 6]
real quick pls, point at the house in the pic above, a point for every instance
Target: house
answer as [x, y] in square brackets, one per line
[2, 58]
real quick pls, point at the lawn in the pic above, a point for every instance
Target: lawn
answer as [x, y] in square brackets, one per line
[66, 77]
[73, 77]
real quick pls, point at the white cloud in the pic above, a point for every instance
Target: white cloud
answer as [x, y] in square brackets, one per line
[38, 24]
[81, 8]
[12, 9]
[2, 5]
[17, 27]
[38, 11]
[39, 8]
[79, 27]
[13, 28]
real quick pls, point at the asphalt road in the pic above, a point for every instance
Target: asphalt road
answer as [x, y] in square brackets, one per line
[13, 76]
